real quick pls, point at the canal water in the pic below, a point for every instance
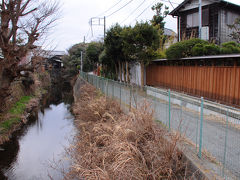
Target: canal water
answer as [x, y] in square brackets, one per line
[37, 151]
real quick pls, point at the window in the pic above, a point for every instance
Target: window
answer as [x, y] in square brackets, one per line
[205, 17]
[193, 20]
[231, 17]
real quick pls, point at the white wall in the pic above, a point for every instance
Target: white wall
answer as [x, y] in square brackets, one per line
[135, 73]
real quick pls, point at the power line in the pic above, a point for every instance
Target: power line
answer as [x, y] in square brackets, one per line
[144, 10]
[110, 8]
[88, 31]
[120, 8]
[169, 2]
[133, 11]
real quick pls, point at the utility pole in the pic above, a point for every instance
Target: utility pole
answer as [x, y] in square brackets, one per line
[200, 19]
[96, 21]
[104, 27]
[81, 60]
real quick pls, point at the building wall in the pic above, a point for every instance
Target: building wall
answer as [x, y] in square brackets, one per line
[224, 30]
[194, 4]
[135, 73]
[217, 27]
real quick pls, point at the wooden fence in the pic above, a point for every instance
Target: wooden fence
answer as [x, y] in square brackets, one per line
[219, 83]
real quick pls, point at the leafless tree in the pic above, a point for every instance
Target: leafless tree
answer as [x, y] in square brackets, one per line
[23, 23]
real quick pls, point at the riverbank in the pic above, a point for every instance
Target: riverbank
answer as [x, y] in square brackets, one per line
[41, 142]
[25, 104]
[111, 144]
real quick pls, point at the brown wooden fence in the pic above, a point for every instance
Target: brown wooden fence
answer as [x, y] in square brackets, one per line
[219, 83]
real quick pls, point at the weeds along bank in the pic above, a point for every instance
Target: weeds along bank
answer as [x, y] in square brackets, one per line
[22, 103]
[113, 145]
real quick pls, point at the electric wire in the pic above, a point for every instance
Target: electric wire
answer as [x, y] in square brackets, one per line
[109, 8]
[171, 4]
[88, 32]
[144, 11]
[119, 8]
[133, 11]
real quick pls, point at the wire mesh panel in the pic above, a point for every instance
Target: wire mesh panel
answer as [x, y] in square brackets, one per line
[215, 132]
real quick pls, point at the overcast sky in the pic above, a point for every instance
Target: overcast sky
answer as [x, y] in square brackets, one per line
[74, 22]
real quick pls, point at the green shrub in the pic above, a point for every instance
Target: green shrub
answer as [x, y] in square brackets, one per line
[198, 50]
[161, 54]
[211, 49]
[183, 49]
[230, 48]
[230, 43]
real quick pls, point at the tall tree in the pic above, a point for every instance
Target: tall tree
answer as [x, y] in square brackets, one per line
[158, 21]
[144, 46]
[72, 62]
[23, 22]
[128, 48]
[113, 45]
[93, 51]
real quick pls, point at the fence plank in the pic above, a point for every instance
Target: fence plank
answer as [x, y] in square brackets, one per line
[213, 82]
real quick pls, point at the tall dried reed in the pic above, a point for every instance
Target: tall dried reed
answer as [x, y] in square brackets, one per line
[114, 145]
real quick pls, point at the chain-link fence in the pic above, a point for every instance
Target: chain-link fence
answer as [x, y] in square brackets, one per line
[213, 129]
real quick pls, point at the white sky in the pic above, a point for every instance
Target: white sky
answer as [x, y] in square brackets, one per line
[74, 22]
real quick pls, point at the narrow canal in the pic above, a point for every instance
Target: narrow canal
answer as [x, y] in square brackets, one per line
[41, 143]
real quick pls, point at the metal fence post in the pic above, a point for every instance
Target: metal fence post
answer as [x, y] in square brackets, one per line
[130, 100]
[181, 118]
[225, 144]
[201, 127]
[120, 96]
[169, 109]
[136, 97]
[99, 78]
[107, 87]
[199, 109]
[112, 89]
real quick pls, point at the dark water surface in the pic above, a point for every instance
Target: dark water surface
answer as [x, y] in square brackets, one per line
[41, 143]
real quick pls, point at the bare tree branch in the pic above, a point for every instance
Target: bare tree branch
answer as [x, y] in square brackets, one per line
[23, 22]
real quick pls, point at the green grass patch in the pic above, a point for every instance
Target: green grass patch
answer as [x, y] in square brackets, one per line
[15, 113]
[20, 106]
[9, 123]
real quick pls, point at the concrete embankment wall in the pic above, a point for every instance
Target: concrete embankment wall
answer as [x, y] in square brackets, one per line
[76, 88]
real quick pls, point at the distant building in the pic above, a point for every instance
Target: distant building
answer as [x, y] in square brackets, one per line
[216, 16]
[26, 60]
[171, 37]
[54, 59]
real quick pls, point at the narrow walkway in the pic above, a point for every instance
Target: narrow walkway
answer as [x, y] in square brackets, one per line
[221, 124]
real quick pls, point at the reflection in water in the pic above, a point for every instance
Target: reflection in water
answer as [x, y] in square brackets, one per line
[28, 153]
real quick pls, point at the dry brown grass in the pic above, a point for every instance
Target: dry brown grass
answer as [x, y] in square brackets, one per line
[113, 145]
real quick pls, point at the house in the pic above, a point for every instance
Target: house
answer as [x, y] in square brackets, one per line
[54, 60]
[216, 16]
[171, 37]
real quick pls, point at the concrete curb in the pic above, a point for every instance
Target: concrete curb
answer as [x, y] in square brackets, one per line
[212, 107]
